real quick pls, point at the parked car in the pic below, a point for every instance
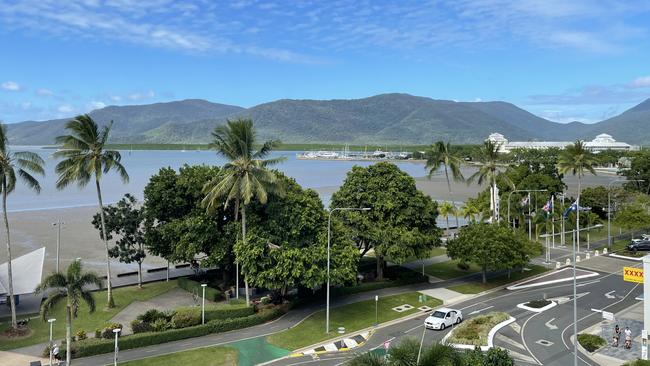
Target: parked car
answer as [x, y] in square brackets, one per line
[639, 245]
[443, 318]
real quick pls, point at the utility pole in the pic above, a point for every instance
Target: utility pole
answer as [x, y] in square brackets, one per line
[58, 225]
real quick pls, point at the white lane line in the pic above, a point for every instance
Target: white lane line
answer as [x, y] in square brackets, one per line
[414, 328]
[480, 310]
[511, 342]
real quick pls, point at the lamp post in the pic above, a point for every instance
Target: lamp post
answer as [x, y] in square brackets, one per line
[58, 225]
[376, 310]
[203, 285]
[117, 349]
[522, 190]
[609, 207]
[329, 237]
[51, 321]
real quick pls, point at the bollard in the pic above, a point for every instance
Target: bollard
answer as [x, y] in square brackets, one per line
[596, 253]
[587, 256]
[604, 251]
[568, 262]
[577, 259]
[557, 265]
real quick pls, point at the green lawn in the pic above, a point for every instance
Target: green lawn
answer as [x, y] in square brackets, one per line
[435, 252]
[449, 269]
[353, 317]
[209, 356]
[86, 321]
[475, 287]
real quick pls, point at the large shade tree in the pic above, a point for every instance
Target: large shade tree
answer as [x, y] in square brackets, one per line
[85, 158]
[245, 177]
[74, 287]
[401, 223]
[14, 165]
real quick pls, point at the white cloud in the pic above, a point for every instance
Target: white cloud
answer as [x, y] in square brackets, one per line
[65, 108]
[96, 105]
[142, 96]
[26, 105]
[641, 82]
[44, 92]
[10, 86]
[115, 98]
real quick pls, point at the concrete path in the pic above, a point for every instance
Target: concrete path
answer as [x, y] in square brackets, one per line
[447, 296]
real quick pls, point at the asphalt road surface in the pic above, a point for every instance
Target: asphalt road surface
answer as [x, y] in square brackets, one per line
[534, 339]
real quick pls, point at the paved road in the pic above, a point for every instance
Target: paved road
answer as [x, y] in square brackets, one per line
[534, 339]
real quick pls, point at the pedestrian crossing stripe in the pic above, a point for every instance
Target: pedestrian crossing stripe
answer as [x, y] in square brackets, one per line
[338, 346]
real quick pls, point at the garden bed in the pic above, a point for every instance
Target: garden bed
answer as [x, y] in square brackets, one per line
[537, 305]
[591, 342]
[478, 331]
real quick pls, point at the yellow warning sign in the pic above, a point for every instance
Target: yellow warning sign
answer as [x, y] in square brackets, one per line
[632, 274]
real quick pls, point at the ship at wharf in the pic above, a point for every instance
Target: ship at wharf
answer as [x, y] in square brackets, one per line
[346, 155]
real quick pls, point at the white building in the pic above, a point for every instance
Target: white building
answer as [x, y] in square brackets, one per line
[602, 142]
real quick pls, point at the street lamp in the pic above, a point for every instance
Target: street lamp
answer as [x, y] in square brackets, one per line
[609, 207]
[203, 285]
[376, 310]
[51, 321]
[329, 237]
[116, 331]
[58, 224]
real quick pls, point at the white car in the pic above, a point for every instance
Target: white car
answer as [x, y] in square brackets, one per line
[443, 318]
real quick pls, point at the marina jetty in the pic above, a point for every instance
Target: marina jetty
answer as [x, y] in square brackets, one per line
[346, 155]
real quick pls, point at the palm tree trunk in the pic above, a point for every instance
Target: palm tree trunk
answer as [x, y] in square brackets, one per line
[578, 217]
[139, 274]
[243, 233]
[12, 300]
[457, 224]
[484, 272]
[447, 219]
[494, 201]
[447, 176]
[68, 334]
[109, 288]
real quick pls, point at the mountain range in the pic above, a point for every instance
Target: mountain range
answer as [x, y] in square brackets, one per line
[385, 118]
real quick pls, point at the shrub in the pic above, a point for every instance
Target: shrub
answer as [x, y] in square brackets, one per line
[98, 333]
[138, 326]
[151, 316]
[638, 363]
[265, 300]
[467, 333]
[160, 325]
[107, 332]
[537, 303]
[186, 317]
[463, 266]
[591, 342]
[237, 301]
[211, 294]
[81, 335]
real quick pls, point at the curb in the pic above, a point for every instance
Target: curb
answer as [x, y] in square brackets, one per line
[490, 338]
[537, 310]
[522, 285]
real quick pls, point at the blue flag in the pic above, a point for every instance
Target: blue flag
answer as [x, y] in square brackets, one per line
[573, 207]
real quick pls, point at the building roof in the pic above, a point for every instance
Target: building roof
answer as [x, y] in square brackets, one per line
[27, 271]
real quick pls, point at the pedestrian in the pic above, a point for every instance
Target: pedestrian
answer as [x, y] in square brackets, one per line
[617, 335]
[628, 337]
[55, 353]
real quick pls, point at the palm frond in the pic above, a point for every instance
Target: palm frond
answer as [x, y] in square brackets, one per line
[55, 280]
[30, 181]
[89, 300]
[51, 301]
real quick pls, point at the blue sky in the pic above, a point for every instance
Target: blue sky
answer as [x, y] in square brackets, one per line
[563, 60]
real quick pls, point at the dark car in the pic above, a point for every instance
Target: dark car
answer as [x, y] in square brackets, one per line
[639, 245]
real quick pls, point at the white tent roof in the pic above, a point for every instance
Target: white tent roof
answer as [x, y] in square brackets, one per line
[27, 271]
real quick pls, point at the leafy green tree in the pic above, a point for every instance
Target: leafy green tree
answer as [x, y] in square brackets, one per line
[492, 247]
[440, 154]
[126, 220]
[25, 165]
[401, 221]
[597, 199]
[287, 246]
[577, 160]
[244, 177]
[446, 209]
[86, 158]
[639, 170]
[74, 288]
[632, 217]
[488, 171]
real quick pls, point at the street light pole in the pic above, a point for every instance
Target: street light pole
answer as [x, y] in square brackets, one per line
[376, 310]
[58, 225]
[609, 207]
[116, 331]
[329, 239]
[203, 285]
[51, 321]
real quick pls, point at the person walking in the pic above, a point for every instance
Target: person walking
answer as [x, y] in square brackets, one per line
[628, 338]
[55, 353]
[617, 335]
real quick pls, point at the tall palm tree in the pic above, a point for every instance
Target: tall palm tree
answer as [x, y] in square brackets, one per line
[446, 209]
[25, 165]
[439, 154]
[470, 211]
[245, 176]
[489, 172]
[86, 158]
[73, 287]
[578, 160]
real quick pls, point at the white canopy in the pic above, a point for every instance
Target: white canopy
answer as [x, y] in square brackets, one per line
[27, 271]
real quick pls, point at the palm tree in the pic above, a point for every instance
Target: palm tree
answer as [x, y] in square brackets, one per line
[245, 176]
[22, 164]
[489, 172]
[73, 286]
[446, 209]
[85, 158]
[439, 154]
[470, 211]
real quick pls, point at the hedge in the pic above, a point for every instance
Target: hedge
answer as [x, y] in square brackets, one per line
[93, 346]
[591, 342]
[211, 294]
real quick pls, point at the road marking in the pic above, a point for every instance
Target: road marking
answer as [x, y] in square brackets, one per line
[414, 328]
[587, 283]
[597, 310]
[522, 357]
[564, 299]
[511, 342]
[480, 310]
[544, 342]
[516, 327]
[551, 326]
[609, 295]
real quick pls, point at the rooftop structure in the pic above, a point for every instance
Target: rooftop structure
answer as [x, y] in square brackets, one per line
[602, 142]
[27, 271]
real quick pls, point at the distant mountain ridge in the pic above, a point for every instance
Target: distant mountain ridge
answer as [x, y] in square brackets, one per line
[385, 118]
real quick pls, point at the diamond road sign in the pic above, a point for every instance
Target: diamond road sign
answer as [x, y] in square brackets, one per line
[632, 274]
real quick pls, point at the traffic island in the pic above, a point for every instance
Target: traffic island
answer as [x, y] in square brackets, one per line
[478, 331]
[537, 306]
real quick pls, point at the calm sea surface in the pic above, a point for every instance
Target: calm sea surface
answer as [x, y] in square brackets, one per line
[321, 175]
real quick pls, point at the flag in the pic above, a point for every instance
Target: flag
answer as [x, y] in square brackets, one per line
[525, 201]
[573, 207]
[548, 206]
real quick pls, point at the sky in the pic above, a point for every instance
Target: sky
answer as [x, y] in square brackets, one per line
[562, 60]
